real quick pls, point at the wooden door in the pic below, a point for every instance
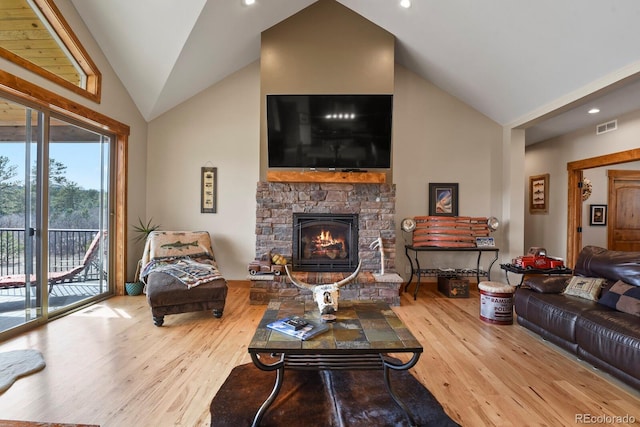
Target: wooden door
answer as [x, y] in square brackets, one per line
[574, 203]
[623, 226]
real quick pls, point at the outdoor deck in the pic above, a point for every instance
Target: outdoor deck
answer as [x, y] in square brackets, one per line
[12, 300]
[75, 259]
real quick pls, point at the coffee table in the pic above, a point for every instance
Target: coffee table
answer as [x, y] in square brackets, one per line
[362, 336]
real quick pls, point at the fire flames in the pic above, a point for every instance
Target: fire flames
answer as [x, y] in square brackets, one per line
[324, 244]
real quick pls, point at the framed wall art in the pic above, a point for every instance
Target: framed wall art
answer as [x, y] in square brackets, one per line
[208, 190]
[539, 194]
[598, 215]
[443, 199]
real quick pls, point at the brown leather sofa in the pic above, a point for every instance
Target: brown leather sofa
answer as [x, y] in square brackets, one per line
[604, 337]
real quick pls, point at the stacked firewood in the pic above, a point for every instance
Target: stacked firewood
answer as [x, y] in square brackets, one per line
[449, 231]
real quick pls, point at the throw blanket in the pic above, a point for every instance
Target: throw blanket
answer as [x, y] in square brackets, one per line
[188, 271]
[176, 244]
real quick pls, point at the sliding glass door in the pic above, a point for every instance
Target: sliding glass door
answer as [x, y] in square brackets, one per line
[21, 136]
[78, 219]
[54, 215]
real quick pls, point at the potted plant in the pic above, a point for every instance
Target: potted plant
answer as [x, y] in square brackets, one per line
[142, 230]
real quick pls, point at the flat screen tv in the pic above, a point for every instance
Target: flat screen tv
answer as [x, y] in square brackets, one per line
[345, 132]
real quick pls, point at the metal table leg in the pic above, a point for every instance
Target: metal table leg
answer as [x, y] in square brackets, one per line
[491, 265]
[418, 275]
[406, 252]
[279, 368]
[387, 366]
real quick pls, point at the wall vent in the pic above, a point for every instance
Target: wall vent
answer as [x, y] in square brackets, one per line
[606, 127]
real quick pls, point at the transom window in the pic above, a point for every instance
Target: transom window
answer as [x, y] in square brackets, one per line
[34, 35]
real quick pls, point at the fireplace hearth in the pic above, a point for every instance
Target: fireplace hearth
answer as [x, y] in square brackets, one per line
[325, 242]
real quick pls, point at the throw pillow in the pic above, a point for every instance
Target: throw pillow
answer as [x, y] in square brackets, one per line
[546, 284]
[622, 297]
[584, 287]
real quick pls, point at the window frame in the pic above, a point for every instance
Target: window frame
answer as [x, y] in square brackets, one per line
[93, 91]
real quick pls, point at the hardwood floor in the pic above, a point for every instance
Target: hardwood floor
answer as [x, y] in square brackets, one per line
[109, 365]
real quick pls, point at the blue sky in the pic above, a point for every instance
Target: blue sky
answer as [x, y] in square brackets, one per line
[82, 161]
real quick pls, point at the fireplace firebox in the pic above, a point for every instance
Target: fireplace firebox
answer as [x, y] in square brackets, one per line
[325, 242]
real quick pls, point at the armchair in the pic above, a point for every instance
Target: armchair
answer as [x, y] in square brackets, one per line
[181, 275]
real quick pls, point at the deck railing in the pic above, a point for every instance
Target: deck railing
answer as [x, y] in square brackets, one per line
[67, 248]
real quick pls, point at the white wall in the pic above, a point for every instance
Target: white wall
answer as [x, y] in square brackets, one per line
[219, 127]
[437, 138]
[116, 104]
[550, 230]
[508, 204]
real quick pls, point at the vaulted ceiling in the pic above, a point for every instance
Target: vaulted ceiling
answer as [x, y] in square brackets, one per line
[512, 60]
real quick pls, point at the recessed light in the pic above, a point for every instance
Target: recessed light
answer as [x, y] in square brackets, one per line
[405, 3]
[594, 111]
[248, 2]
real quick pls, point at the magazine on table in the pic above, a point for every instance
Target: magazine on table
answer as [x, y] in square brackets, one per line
[298, 327]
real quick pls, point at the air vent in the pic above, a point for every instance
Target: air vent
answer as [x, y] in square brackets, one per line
[606, 127]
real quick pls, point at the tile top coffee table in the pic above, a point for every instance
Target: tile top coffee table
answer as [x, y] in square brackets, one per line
[362, 335]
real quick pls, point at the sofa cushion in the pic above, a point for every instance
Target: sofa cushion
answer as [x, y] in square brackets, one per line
[567, 345]
[594, 261]
[585, 287]
[610, 336]
[557, 313]
[622, 297]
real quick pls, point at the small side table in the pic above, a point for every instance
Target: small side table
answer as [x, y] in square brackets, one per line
[435, 272]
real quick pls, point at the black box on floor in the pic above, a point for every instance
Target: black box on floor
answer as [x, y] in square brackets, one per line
[453, 287]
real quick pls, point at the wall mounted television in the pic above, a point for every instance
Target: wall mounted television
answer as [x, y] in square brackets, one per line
[341, 132]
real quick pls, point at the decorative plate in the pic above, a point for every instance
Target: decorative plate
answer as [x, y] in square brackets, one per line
[408, 225]
[493, 223]
[586, 188]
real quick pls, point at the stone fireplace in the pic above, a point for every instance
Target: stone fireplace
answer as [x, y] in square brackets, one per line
[325, 242]
[372, 210]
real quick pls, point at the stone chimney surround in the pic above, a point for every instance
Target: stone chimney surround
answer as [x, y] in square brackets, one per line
[375, 206]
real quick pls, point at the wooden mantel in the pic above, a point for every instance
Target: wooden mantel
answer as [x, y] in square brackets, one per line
[333, 177]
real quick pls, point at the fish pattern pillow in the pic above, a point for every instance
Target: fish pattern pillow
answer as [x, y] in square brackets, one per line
[174, 244]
